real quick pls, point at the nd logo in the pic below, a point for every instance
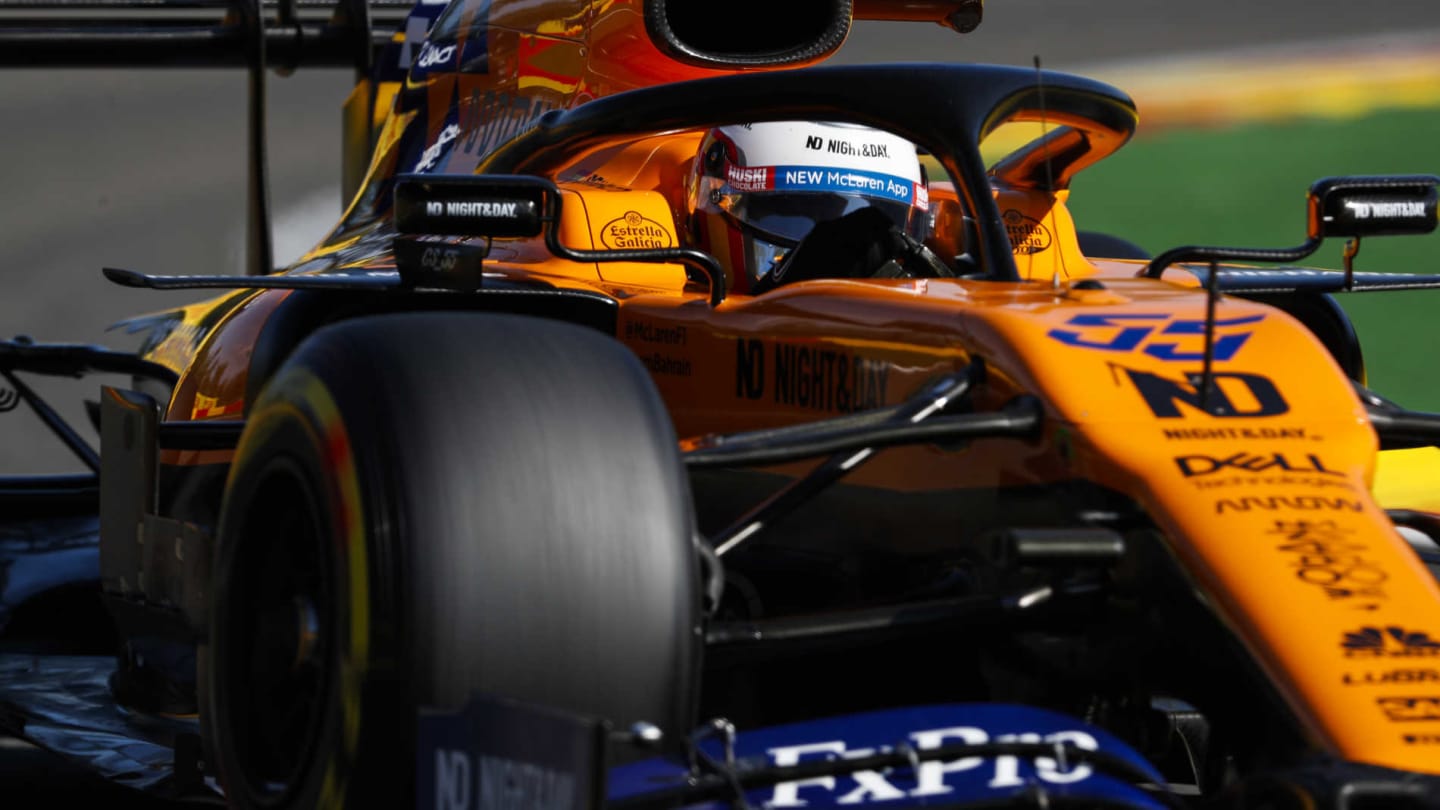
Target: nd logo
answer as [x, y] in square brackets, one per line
[1231, 394]
[749, 369]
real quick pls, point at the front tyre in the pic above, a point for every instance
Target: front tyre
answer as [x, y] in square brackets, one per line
[428, 505]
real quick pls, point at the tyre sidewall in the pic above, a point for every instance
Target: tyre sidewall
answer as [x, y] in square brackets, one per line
[298, 428]
[349, 412]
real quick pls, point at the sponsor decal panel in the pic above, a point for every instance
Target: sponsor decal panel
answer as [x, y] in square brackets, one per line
[931, 777]
[634, 231]
[808, 376]
[1028, 235]
[432, 55]
[464, 780]
[432, 152]
[828, 380]
[822, 178]
[475, 758]
[1391, 677]
[751, 178]
[1156, 334]
[961, 767]
[591, 179]
[841, 146]
[647, 332]
[1231, 394]
[665, 364]
[664, 336]
[396, 59]
[1280, 480]
[1410, 709]
[1281, 503]
[1391, 641]
[1403, 210]
[472, 208]
[1325, 557]
[492, 118]
[1192, 466]
[439, 259]
[1267, 468]
[749, 369]
[1260, 433]
[808, 178]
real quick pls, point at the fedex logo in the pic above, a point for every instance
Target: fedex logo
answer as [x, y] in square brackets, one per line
[1158, 335]
[933, 778]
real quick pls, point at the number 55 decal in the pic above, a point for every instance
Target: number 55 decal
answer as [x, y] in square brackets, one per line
[1159, 335]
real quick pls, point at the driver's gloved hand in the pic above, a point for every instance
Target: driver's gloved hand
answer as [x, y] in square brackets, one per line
[915, 260]
[857, 245]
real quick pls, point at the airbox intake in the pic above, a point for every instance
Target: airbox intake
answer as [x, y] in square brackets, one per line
[748, 33]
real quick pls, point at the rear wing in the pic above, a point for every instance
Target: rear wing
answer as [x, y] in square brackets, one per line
[279, 34]
[257, 35]
[376, 38]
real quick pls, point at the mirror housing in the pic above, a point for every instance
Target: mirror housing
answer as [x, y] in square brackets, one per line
[467, 206]
[1385, 205]
[430, 210]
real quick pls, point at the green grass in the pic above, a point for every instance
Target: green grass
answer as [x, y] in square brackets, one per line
[1245, 187]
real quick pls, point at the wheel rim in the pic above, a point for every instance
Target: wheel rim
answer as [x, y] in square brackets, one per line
[276, 657]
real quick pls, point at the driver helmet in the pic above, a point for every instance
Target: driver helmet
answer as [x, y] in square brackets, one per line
[756, 190]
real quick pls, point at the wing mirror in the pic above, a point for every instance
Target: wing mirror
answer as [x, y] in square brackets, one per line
[1372, 206]
[431, 209]
[469, 206]
[1351, 207]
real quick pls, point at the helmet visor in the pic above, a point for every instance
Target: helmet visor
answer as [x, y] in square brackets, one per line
[787, 218]
[783, 203]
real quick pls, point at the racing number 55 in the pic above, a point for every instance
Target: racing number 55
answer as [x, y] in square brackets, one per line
[1125, 332]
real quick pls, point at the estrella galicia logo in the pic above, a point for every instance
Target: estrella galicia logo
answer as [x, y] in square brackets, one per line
[634, 232]
[1410, 709]
[1164, 395]
[1389, 642]
[1155, 334]
[1027, 234]
[1197, 465]
[814, 142]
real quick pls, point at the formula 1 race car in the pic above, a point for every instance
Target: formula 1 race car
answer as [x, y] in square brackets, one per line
[671, 421]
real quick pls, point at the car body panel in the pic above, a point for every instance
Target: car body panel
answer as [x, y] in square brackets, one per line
[1225, 427]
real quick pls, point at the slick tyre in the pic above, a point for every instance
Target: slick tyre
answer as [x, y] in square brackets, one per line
[426, 506]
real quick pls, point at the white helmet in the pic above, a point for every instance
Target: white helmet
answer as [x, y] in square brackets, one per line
[757, 189]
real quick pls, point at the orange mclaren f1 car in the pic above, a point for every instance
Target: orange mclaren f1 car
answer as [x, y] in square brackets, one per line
[566, 471]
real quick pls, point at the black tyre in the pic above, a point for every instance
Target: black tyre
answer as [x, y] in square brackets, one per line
[427, 505]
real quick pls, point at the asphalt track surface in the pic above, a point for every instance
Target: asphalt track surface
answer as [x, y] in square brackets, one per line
[144, 169]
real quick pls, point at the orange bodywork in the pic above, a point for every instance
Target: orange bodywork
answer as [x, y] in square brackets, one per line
[1265, 495]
